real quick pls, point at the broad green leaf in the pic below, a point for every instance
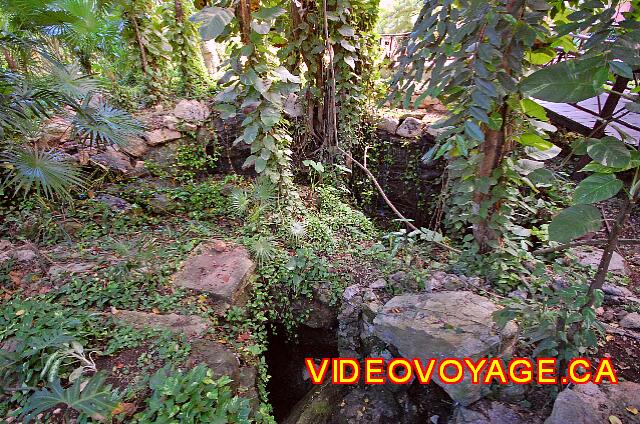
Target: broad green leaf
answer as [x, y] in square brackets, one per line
[534, 140]
[270, 116]
[618, 67]
[346, 31]
[261, 165]
[599, 168]
[473, 130]
[541, 56]
[226, 110]
[538, 154]
[533, 109]
[284, 74]
[526, 166]
[596, 188]
[250, 133]
[350, 61]
[495, 121]
[573, 222]
[347, 46]
[214, 20]
[569, 81]
[609, 151]
[579, 146]
[91, 397]
[268, 13]
[566, 43]
[541, 176]
[261, 28]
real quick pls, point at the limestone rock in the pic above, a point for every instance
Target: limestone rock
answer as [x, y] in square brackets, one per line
[214, 355]
[160, 203]
[388, 124]
[114, 160]
[486, 412]
[445, 324]
[369, 405]
[135, 147]
[61, 270]
[191, 111]
[613, 290]
[317, 406]
[631, 320]
[165, 155]
[590, 403]
[56, 131]
[161, 136]
[115, 203]
[411, 127]
[590, 256]
[189, 325]
[293, 106]
[219, 269]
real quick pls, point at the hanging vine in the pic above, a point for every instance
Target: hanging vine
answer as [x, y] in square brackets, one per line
[147, 33]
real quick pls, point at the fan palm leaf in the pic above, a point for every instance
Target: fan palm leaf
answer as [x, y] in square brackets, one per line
[103, 124]
[45, 172]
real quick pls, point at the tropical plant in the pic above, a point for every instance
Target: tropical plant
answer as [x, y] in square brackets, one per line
[91, 398]
[192, 397]
[27, 100]
[47, 173]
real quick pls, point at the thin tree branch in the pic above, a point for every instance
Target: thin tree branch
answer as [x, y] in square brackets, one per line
[388, 202]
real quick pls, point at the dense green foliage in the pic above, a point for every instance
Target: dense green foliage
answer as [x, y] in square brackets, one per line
[300, 81]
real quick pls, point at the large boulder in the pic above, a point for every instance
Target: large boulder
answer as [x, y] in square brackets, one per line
[590, 403]
[161, 136]
[216, 356]
[191, 111]
[317, 406]
[189, 325]
[369, 405]
[136, 147]
[446, 324]
[492, 412]
[631, 320]
[388, 124]
[55, 131]
[114, 160]
[219, 269]
[411, 127]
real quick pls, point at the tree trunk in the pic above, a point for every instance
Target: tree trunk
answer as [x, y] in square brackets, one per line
[11, 63]
[603, 267]
[493, 150]
[141, 47]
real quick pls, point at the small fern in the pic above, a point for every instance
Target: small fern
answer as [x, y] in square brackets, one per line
[239, 202]
[263, 248]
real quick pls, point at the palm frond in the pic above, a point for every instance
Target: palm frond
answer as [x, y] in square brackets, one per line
[45, 172]
[103, 124]
[263, 248]
[70, 80]
[264, 191]
[239, 201]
